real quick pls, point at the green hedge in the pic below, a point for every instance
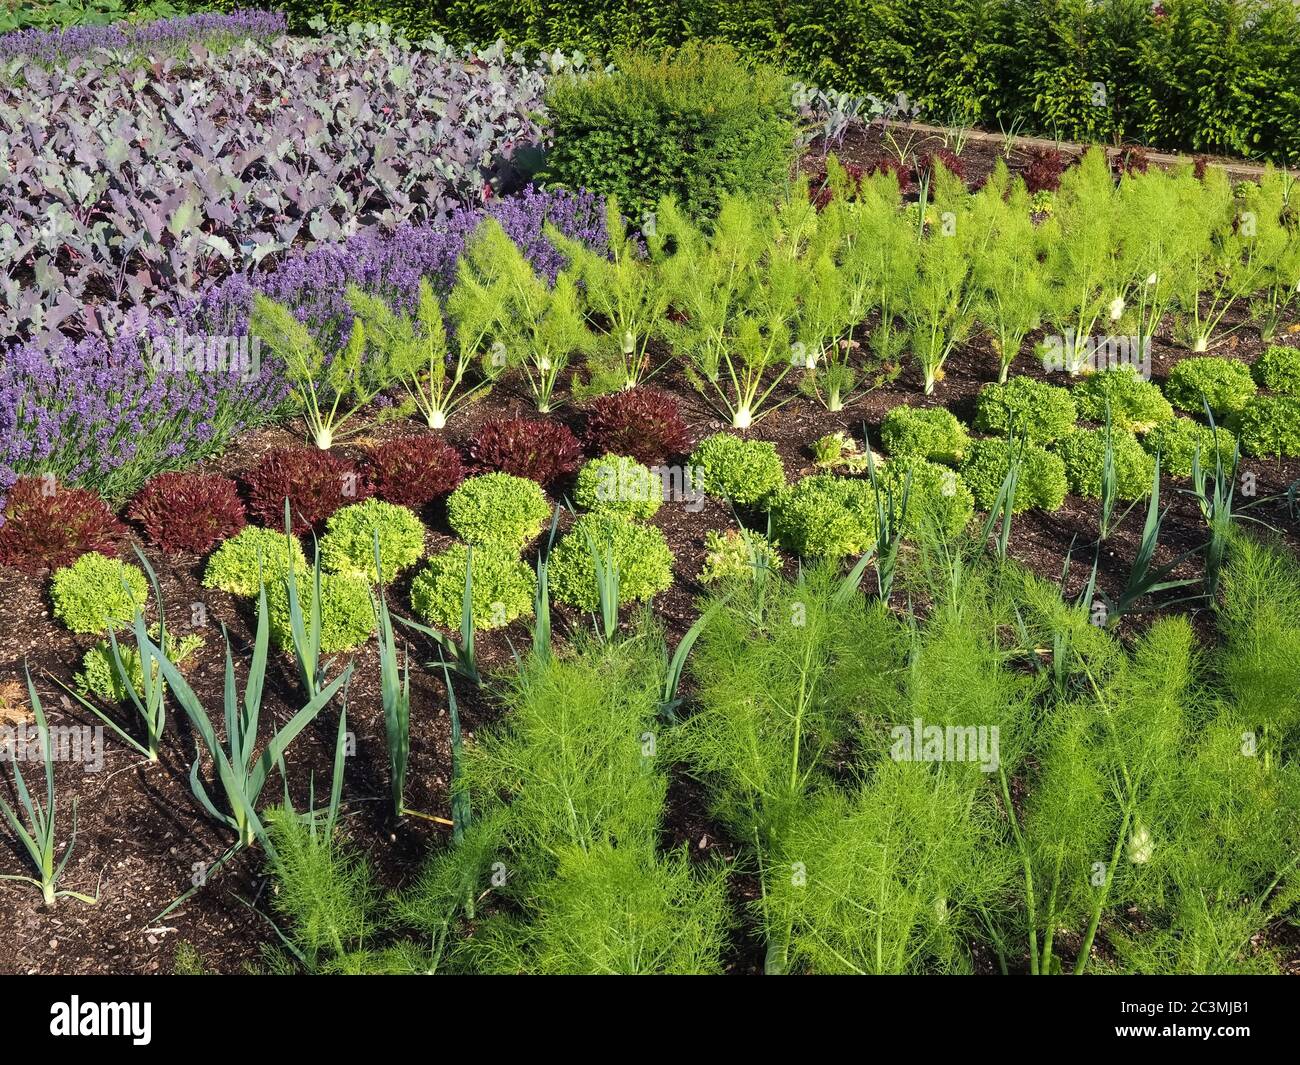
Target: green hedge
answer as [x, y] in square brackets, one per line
[1195, 75]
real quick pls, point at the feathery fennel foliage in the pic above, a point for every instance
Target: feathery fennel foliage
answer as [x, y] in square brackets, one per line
[501, 302]
[569, 795]
[417, 353]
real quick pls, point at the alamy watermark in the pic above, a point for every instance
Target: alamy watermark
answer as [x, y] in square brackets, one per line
[618, 483]
[235, 356]
[68, 743]
[919, 742]
[1094, 354]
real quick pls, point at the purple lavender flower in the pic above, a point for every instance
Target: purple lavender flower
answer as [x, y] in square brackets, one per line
[53, 46]
[312, 282]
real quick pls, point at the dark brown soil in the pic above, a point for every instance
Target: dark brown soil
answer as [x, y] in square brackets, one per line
[142, 836]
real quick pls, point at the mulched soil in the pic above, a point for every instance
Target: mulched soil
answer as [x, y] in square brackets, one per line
[142, 837]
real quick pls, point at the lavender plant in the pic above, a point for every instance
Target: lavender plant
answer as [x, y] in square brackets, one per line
[121, 42]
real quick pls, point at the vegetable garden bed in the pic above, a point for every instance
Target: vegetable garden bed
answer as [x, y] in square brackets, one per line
[1123, 635]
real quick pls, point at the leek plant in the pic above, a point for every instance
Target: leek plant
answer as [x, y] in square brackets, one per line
[39, 836]
[1004, 506]
[417, 351]
[528, 324]
[463, 655]
[891, 520]
[396, 694]
[241, 774]
[607, 588]
[305, 632]
[1146, 579]
[1217, 501]
[1106, 519]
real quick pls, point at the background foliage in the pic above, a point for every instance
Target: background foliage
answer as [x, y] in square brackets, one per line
[1196, 75]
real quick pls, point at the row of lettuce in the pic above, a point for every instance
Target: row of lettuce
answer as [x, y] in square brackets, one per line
[936, 475]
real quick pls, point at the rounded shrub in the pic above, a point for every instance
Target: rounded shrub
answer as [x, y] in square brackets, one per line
[47, 525]
[235, 566]
[1177, 441]
[1269, 427]
[692, 123]
[746, 472]
[932, 433]
[1225, 383]
[617, 484]
[348, 545]
[347, 612]
[938, 500]
[503, 587]
[1136, 405]
[498, 509]
[1037, 411]
[825, 516]
[1278, 370]
[641, 553]
[1083, 453]
[1041, 483]
[90, 596]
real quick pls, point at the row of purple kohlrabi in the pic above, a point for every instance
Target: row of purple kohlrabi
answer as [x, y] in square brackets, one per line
[145, 38]
[111, 412]
[124, 188]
